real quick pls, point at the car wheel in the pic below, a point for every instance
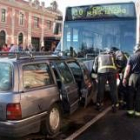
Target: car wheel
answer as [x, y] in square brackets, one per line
[53, 121]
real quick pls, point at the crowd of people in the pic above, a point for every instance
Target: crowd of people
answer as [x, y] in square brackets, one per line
[107, 65]
[21, 47]
[15, 48]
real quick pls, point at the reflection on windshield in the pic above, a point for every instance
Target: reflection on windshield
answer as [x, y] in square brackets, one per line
[93, 36]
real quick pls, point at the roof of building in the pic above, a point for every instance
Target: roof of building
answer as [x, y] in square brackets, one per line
[32, 5]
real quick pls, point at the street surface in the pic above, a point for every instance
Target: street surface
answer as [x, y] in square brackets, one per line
[112, 126]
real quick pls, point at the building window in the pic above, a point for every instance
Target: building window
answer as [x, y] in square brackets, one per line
[21, 18]
[3, 15]
[49, 24]
[36, 22]
[60, 28]
[20, 38]
[2, 37]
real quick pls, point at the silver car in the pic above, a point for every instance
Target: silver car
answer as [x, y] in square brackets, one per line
[35, 91]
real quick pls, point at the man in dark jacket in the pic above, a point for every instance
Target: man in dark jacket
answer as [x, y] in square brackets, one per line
[132, 72]
[121, 61]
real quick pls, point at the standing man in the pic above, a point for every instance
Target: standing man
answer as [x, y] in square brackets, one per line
[121, 61]
[20, 47]
[133, 70]
[5, 48]
[106, 69]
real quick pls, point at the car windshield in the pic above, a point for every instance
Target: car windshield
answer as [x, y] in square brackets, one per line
[5, 76]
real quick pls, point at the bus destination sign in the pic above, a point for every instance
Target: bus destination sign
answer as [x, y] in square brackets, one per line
[101, 11]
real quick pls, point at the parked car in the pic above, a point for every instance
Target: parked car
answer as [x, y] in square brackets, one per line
[73, 74]
[87, 86]
[36, 90]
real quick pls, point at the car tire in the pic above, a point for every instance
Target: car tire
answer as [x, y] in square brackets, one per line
[52, 123]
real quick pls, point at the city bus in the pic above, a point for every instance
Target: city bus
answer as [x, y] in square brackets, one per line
[89, 28]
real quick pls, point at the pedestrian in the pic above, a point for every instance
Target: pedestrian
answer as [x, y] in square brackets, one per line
[31, 48]
[53, 46]
[5, 48]
[106, 70]
[13, 48]
[26, 48]
[20, 47]
[10, 46]
[42, 49]
[132, 74]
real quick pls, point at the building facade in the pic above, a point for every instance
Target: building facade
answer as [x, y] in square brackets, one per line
[27, 22]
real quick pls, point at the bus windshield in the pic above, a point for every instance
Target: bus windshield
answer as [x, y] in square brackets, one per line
[93, 36]
[90, 29]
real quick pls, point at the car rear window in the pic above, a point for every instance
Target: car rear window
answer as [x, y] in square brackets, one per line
[36, 75]
[5, 76]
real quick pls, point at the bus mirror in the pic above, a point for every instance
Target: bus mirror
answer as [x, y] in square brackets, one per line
[56, 28]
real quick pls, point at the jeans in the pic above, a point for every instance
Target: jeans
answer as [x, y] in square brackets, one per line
[134, 92]
[102, 80]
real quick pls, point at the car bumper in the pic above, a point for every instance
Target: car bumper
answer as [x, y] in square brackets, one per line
[22, 127]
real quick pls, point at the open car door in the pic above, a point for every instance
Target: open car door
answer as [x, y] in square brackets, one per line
[67, 85]
[82, 77]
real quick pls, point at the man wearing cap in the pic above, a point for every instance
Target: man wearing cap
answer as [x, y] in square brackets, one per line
[132, 72]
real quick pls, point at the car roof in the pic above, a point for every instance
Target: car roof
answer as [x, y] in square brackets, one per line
[26, 57]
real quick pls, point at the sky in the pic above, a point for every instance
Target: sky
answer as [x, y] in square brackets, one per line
[62, 4]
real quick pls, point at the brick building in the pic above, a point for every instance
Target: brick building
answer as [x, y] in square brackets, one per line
[29, 22]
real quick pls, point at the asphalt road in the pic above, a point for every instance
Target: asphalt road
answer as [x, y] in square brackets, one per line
[112, 126]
